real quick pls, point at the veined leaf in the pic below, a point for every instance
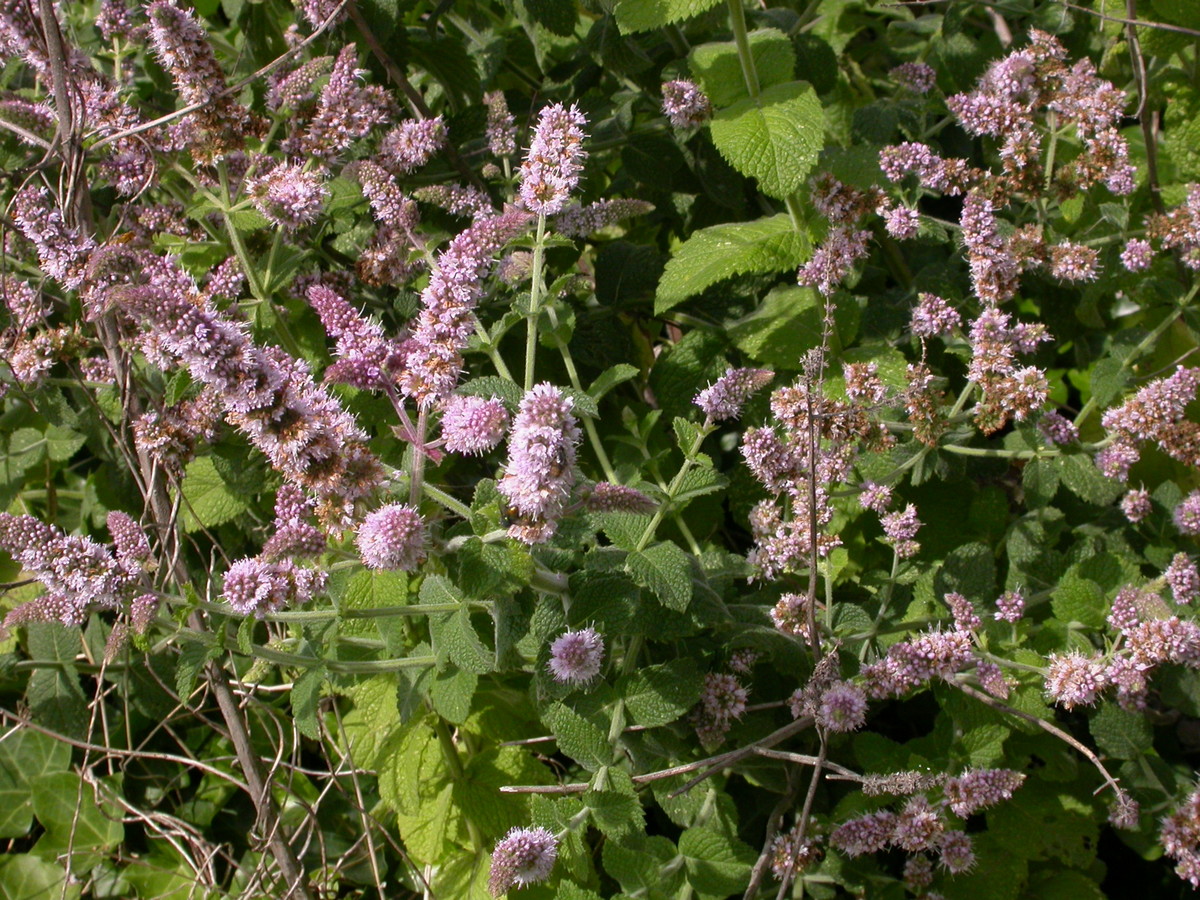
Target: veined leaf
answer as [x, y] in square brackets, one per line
[775, 137]
[646, 15]
[722, 251]
[719, 71]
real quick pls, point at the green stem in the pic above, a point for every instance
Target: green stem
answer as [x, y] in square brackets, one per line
[454, 764]
[536, 286]
[447, 501]
[997, 452]
[417, 477]
[588, 425]
[673, 487]
[737, 19]
[343, 666]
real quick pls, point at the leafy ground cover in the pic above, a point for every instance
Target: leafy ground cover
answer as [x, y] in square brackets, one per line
[616, 448]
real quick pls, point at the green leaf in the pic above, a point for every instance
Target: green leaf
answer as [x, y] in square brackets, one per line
[557, 16]
[719, 71]
[478, 793]
[27, 447]
[54, 694]
[789, 321]
[718, 252]
[616, 809]
[24, 876]
[696, 482]
[451, 693]
[774, 138]
[67, 809]
[970, 570]
[455, 638]
[305, 695]
[62, 442]
[1040, 479]
[641, 865]
[1083, 479]
[192, 657]
[209, 500]
[1078, 599]
[24, 756]
[610, 378]
[646, 15]
[665, 571]
[577, 737]
[716, 863]
[373, 720]
[656, 695]
[1121, 734]
[494, 386]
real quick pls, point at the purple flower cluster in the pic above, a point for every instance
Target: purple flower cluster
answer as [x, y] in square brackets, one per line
[555, 160]
[1156, 413]
[255, 586]
[724, 398]
[1009, 390]
[1180, 837]
[1010, 607]
[78, 573]
[918, 77]
[62, 250]
[295, 535]
[577, 221]
[270, 396]
[1136, 505]
[1179, 229]
[501, 127]
[899, 529]
[843, 707]
[608, 497]
[917, 828]
[411, 144]
[288, 196]
[722, 702]
[447, 316]
[932, 654]
[346, 112]
[365, 358]
[685, 104]
[460, 200]
[473, 425]
[392, 538]
[540, 472]
[523, 856]
[221, 124]
[575, 657]
[963, 611]
[1183, 577]
[1187, 513]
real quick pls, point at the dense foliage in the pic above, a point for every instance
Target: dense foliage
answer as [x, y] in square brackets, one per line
[617, 448]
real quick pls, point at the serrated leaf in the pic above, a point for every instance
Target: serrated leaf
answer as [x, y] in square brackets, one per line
[610, 378]
[1078, 599]
[1040, 479]
[494, 386]
[696, 482]
[209, 500]
[1121, 734]
[454, 637]
[556, 16]
[971, 571]
[657, 695]
[645, 15]
[664, 570]
[62, 442]
[716, 863]
[718, 252]
[192, 657]
[577, 737]
[451, 692]
[305, 695]
[27, 447]
[1083, 479]
[774, 138]
[718, 70]
[615, 809]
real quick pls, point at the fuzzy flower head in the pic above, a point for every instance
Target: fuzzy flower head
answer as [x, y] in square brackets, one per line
[1074, 680]
[473, 425]
[1010, 606]
[933, 317]
[555, 160]
[875, 497]
[724, 398]
[256, 586]
[411, 144]
[1187, 514]
[685, 104]
[1136, 505]
[289, 196]
[1183, 577]
[541, 464]
[575, 657]
[843, 707]
[392, 538]
[608, 497]
[523, 856]
[501, 128]
[918, 77]
[899, 529]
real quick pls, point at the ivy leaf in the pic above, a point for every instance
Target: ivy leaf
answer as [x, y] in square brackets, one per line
[646, 15]
[664, 570]
[73, 822]
[657, 695]
[719, 71]
[24, 756]
[23, 876]
[718, 252]
[775, 137]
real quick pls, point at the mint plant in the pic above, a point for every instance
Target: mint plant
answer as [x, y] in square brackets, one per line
[599, 449]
